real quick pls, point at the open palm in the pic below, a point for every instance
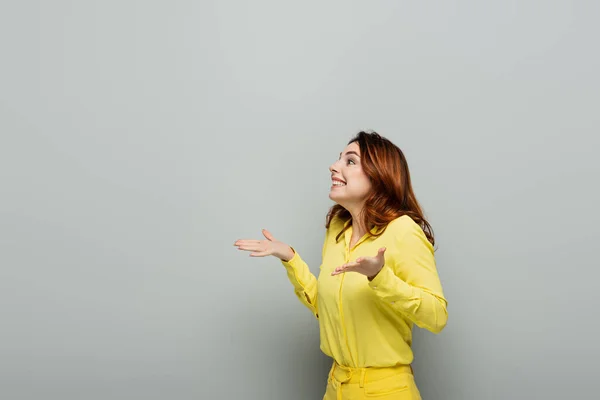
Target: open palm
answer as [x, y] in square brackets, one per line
[266, 247]
[368, 266]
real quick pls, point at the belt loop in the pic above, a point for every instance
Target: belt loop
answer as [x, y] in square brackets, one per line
[363, 373]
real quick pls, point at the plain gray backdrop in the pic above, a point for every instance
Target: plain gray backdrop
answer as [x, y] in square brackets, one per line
[139, 140]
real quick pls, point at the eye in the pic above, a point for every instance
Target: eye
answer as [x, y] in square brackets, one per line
[351, 161]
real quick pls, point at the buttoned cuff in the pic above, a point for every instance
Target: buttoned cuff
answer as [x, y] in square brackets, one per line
[390, 287]
[297, 270]
[292, 261]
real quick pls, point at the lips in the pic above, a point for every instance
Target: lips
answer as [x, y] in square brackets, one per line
[337, 182]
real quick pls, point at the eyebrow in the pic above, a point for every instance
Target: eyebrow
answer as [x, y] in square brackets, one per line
[351, 152]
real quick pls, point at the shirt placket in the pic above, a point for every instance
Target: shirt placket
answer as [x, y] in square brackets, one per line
[340, 296]
[347, 258]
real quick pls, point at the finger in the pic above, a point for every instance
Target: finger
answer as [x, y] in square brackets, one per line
[361, 260]
[251, 248]
[381, 252]
[268, 235]
[260, 254]
[339, 271]
[344, 268]
[244, 242]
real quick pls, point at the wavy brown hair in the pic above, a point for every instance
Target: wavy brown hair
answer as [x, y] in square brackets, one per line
[392, 196]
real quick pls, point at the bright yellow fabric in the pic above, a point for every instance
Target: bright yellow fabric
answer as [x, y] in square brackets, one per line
[396, 383]
[369, 324]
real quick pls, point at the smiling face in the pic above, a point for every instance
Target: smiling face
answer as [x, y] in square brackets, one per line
[350, 185]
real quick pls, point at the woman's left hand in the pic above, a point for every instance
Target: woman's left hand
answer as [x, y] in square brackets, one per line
[368, 266]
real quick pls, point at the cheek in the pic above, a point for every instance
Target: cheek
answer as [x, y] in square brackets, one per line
[361, 184]
[366, 186]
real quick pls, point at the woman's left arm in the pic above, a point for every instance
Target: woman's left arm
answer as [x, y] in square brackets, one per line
[409, 281]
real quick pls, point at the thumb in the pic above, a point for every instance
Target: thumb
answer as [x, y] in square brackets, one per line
[381, 252]
[268, 235]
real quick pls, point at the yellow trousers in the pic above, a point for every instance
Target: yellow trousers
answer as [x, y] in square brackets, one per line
[393, 383]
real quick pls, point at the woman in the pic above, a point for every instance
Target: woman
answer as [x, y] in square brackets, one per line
[378, 275]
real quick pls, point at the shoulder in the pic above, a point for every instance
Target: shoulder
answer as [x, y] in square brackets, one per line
[403, 223]
[404, 228]
[336, 224]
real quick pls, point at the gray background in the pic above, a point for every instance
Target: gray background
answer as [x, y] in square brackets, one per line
[139, 140]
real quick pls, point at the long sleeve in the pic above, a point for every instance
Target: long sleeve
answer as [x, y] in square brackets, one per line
[304, 282]
[409, 281]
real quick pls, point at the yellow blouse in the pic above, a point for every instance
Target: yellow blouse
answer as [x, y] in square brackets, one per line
[369, 324]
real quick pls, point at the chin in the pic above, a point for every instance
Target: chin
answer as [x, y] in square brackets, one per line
[335, 199]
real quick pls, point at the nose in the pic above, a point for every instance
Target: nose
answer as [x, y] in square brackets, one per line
[332, 167]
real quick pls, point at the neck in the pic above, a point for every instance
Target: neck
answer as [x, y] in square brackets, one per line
[358, 229]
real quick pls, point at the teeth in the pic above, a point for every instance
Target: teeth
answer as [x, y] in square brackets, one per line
[337, 183]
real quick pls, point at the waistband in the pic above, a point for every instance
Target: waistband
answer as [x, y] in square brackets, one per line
[344, 374]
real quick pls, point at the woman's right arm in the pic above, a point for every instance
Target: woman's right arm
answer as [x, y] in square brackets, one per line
[304, 282]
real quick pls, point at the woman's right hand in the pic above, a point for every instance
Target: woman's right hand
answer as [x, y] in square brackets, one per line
[268, 247]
